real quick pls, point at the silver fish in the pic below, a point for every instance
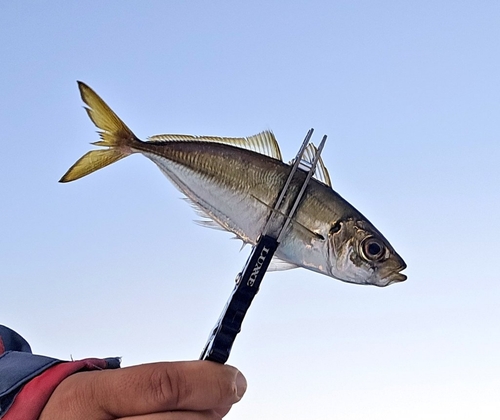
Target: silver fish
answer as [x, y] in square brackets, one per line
[235, 183]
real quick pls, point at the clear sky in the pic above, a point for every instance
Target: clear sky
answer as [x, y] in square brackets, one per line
[409, 95]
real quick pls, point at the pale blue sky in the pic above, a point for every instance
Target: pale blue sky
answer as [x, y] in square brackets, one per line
[408, 93]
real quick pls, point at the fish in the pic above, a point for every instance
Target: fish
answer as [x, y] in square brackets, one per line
[234, 183]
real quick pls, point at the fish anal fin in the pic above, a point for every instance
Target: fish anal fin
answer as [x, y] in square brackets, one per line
[278, 264]
[206, 220]
[209, 223]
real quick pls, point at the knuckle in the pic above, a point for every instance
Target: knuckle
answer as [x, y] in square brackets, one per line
[169, 387]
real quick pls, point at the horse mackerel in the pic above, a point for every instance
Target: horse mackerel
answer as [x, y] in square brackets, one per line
[235, 183]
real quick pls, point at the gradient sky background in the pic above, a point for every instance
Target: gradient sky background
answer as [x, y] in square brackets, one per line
[408, 93]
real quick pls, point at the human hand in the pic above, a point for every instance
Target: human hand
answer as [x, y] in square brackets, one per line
[197, 390]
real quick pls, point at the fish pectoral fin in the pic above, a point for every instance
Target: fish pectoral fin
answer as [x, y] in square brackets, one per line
[264, 143]
[278, 264]
[320, 173]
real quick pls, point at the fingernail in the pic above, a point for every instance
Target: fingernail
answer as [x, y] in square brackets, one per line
[241, 385]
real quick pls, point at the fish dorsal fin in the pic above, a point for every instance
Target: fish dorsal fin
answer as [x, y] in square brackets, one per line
[264, 143]
[321, 173]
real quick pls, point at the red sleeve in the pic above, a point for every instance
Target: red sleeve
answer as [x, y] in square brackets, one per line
[31, 400]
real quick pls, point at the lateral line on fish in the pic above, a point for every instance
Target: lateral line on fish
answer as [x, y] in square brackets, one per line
[292, 220]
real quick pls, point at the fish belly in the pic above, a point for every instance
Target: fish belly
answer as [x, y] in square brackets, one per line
[238, 189]
[235, 206]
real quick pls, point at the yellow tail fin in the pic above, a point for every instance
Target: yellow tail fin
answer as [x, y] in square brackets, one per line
[115, 135]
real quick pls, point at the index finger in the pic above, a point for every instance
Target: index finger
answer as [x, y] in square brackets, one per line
[167, 386]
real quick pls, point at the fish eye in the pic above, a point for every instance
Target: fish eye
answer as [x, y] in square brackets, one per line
[373, 249]
[335, 228]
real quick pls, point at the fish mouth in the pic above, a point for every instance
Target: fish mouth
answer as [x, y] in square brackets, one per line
[395, 277]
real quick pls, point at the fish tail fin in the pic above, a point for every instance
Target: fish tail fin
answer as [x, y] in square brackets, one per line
[115, 135]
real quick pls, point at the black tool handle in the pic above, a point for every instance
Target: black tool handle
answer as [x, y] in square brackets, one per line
[248, 281]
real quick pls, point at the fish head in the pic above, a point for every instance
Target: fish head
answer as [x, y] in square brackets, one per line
[359, 253]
